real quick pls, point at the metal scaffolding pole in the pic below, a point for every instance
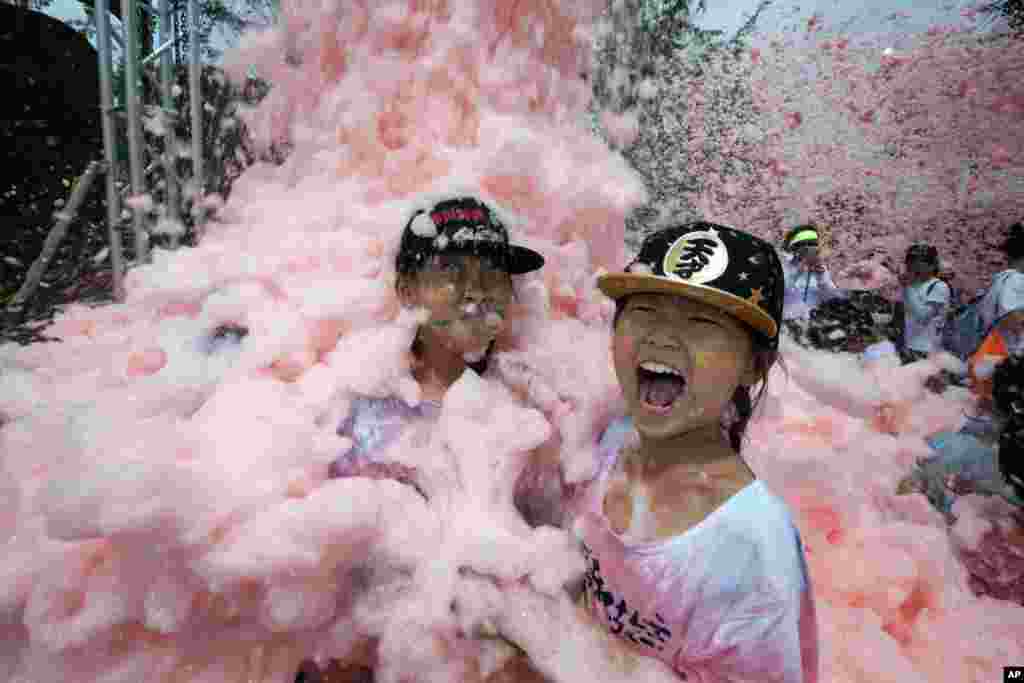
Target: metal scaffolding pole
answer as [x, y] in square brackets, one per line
[109, 143]
[167, 35]
[198, 212]
[131, 29]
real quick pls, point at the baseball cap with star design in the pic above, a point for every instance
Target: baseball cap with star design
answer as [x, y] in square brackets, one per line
[726, 268]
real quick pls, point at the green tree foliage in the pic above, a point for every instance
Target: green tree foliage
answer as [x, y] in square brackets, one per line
[225, 142]
[639, 33]
[215, 17]
[655, 41]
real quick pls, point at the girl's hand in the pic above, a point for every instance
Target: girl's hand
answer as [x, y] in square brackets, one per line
[814, 263]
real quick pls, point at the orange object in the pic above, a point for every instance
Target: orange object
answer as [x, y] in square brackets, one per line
[993, 349]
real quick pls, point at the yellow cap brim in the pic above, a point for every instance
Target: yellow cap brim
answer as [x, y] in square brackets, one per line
[618, 285]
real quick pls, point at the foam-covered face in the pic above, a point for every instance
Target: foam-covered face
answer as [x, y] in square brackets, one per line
[678, 362]
[466, 296]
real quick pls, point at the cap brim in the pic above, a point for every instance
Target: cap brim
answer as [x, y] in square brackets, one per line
[618, 285]
[522, 260]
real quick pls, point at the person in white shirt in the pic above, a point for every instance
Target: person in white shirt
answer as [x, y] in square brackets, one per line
[925, 302]
[808, 282]
[1006, 294]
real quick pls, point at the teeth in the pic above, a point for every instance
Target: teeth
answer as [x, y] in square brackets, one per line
[651, 366]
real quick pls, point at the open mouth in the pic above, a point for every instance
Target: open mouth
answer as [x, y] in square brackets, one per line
[659, 386]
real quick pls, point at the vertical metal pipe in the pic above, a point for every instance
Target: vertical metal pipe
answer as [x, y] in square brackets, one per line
[195, 97]
[109, 143]
[167, 79]
[135, 141]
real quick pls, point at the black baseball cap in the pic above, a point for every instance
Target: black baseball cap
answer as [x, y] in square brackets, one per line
[465, 225]
[726, 268]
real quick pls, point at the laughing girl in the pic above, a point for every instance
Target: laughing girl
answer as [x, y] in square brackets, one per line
[691, 559]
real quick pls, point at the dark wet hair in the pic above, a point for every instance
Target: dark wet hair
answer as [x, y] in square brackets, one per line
[765, 356]
[1008, 398]
[1013, 247]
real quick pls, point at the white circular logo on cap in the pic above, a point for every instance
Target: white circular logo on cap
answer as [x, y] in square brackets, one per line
[696, 257]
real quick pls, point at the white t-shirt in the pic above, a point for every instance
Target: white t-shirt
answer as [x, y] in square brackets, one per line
[1005, 295]
[924, 311]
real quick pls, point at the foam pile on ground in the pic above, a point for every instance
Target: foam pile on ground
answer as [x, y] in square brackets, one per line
[834, 437]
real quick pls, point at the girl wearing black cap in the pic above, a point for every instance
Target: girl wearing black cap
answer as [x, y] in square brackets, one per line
[690, 558]
[455, 262]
